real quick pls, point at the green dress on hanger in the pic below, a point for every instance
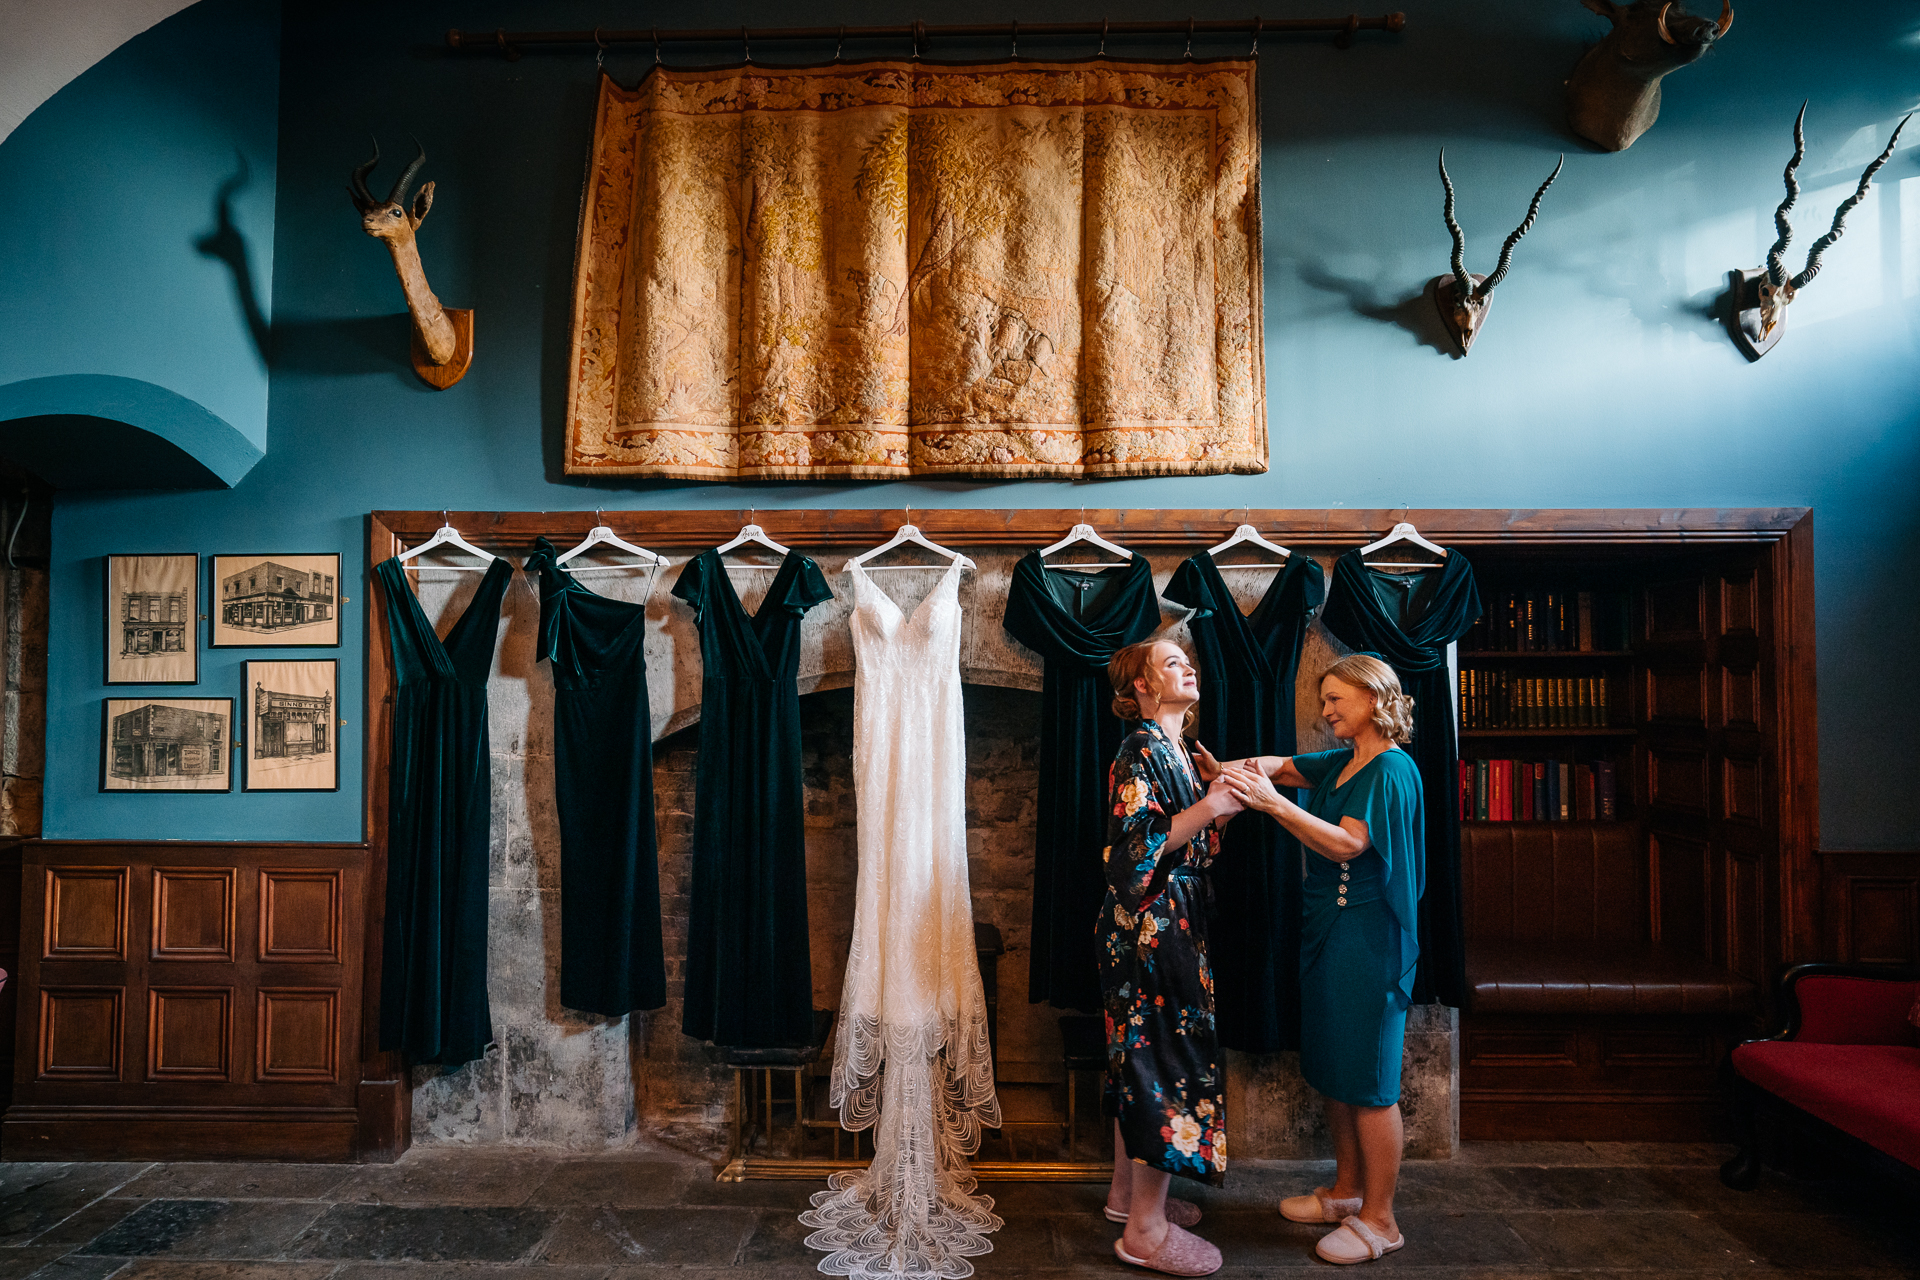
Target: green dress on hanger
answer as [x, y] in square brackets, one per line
[433, 974]
[749, 969]
[610, 948]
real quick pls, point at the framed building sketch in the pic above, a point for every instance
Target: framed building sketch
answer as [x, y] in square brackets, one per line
[291, 744]
[275, 601]
[166, 744]
[151, 619]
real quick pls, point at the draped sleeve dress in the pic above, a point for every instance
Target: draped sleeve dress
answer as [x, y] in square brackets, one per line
[1075, 619]
[1248, 664]
[611, 959]
[1359, 934]
[433, 972]
[1165, 1082]
[1409, 620]
[749, 972]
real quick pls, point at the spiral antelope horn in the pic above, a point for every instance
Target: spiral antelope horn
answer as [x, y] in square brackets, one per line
[406, 175]
[1459, 238]
[1776, 268]
[357, 185]
[1506, 250]
[1825, 242]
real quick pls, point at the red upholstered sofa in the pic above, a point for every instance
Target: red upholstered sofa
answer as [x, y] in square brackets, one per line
[1847, 1068]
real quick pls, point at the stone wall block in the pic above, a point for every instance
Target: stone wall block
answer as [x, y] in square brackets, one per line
[572, 1091]
[19, 806]
[517, 955]
[464, 1105]
[511, 830]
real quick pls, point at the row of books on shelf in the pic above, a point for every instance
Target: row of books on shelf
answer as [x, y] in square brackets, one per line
[1553, 621]
[1537, 791]
[1498, 699]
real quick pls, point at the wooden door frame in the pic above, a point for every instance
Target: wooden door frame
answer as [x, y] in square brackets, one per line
[1785, 534]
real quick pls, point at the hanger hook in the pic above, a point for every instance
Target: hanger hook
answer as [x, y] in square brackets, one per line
[1188, 55]
[1103, 39]
[746, 50]
[599, 58]
[1255, 51]
[599, 516]
[1016, 39]
[839, 44]
[919, 29]
[443, 516]
[656, 46]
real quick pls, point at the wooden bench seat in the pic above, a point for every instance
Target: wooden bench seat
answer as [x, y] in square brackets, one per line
[1590, 978]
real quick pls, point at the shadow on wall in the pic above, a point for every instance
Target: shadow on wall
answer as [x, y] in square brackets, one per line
[226, 244]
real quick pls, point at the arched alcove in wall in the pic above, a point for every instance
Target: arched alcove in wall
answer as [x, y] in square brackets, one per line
[98, 431]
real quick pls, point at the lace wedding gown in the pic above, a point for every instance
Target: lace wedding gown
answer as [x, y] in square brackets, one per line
[911, 1058]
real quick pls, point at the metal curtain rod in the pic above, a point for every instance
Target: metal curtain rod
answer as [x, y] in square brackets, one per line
[510, 42]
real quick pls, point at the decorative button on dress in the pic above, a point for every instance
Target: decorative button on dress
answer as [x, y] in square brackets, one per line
[1165, 1080]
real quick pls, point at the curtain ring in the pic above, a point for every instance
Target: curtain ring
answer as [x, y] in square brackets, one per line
[1016, 39]
[656, 46]
[1188, 55]
[1103, 39]
[746, 50]
[600, 57]
[839, 44]
[919, 29]
[1255, 51]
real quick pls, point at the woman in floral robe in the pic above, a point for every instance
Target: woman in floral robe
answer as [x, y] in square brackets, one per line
[1166, 1079]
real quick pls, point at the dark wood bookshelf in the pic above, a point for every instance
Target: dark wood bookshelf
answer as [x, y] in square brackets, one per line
[1549, 733]
[1483, 655]
[1547, 822]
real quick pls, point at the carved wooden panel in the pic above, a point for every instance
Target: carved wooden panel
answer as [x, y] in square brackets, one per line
[1544, 1048]
[1654, 1049]
[299, 1034]
[1740, 698]
[1680, 888]
[81, 1033]
[1678, 780]
[193, 913]
[1554, 882]
[189, 1033]
[1740, 789]
[1740, 604]
[1677, 695]
[1746, 918]
[1883, 920]
[300, 915]
[86, 913]
[1674, 611]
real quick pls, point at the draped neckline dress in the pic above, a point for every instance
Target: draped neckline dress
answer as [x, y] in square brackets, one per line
[433, 976]
[1248, 666]
[611, 954]
[749, 973]
[1409, 620]
[912, 1059]
[1075, 620]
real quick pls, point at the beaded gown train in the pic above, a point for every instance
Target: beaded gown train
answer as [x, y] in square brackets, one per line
[911, 1054]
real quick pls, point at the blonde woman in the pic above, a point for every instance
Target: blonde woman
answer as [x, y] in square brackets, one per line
[1358, 941]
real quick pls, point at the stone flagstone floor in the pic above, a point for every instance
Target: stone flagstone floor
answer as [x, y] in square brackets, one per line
[1502, 1211]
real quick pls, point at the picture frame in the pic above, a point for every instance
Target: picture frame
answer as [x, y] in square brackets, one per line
[282, 601]
[166, 744]
[292, 707]
[150, 622]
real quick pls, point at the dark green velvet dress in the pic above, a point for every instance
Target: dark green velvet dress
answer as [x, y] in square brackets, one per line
[1410, 619]
[749, 969]
[1075, 620]
[1247, 667]
[433, 975]
[610, 951]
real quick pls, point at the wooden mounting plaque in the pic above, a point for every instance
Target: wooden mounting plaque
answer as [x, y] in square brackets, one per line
[442, 376]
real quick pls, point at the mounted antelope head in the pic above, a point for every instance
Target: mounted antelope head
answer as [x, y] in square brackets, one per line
[1756, 305]
[442, 337]
[1613, 95]
[1461, 298]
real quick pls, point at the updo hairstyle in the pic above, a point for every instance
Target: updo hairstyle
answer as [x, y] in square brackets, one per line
[1130, 664]
[1392, 709]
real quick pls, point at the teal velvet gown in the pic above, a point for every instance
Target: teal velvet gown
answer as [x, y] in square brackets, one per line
[1409, 620]
[610, 950]
[1247, 668]
[1075, 620]
[433, 973]
[1359, 933]
[749, 970]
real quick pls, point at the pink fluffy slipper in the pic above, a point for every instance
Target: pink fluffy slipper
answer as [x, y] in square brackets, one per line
[1180, 1254]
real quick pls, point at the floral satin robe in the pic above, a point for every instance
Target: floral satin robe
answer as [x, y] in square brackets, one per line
[1165, 1078]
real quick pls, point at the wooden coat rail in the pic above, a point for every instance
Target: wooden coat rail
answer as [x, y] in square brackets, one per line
[510, 43]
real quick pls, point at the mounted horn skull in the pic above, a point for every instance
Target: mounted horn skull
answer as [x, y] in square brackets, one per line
[1613, 95]
[1463, 299]
[1756, 301]
[442, 337]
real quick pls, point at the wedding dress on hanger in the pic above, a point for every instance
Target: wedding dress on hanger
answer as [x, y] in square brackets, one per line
[911, 1055]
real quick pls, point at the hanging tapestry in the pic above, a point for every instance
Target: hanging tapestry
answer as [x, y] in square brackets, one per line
[890, 269]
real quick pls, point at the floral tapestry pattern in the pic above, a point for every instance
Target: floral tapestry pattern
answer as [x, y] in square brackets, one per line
[884, 269]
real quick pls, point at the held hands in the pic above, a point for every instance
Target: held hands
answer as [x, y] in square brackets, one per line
[1251, 787]
[1221, 798]
[1203, 761]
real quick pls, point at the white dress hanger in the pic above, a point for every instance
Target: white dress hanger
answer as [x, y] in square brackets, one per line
[751, 533]
[448, 536]
[1087, 533]
[1247, 535]
[601, 536]
[1403, 532]
[906, 533]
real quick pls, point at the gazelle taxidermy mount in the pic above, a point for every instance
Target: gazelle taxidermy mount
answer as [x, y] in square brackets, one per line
[1756, 300]
[1463, 299]
[1613, 95]
[442, 336]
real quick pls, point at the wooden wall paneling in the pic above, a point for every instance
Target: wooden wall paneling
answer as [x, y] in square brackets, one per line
[190, 1033]
[1790, 710]
[385, 1093]
[300, 915]
[9, 960]
[82, 1033]
[193, 912]
[86, 913]
[1871, 909]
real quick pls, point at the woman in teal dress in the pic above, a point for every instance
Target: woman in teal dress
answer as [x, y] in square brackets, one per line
[1359, 943]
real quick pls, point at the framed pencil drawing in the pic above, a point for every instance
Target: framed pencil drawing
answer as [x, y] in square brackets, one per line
[274, 601]
[166, 744]
[151, 619]
[291, 709]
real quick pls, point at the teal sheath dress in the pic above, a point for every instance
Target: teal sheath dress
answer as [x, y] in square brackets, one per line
[1359, 940]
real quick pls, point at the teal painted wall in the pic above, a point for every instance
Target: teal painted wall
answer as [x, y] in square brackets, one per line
[115, 256]
[1601, 380]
